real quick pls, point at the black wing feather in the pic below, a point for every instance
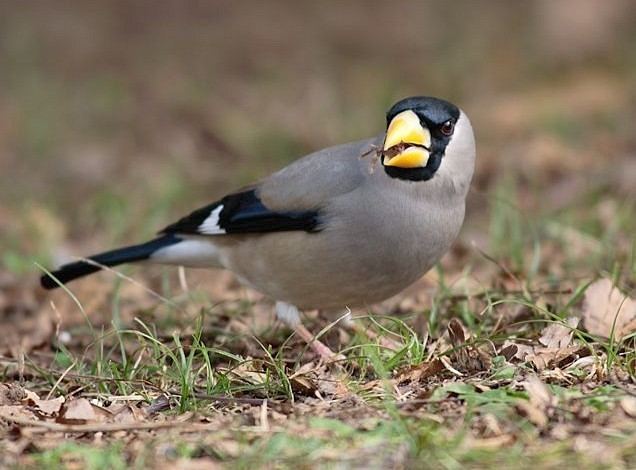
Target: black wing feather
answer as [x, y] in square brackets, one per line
[244, 212]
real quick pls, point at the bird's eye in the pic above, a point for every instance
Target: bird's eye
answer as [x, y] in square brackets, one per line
[447, 128]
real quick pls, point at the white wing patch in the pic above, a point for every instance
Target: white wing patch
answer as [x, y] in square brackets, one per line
[210, 226]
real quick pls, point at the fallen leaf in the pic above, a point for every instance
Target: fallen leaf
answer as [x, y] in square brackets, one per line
[555, 348]
[538, 392]
[29, 395]
[456, 332]
[540, 400]
[160, 403]
[303, 380]
[419, 372]
[303, 385]
[128, 414]
[48, 407]
[509, 351]
[468, 357]
[521, 351]
[558, 335]
[607, 311]
[543, 358]
[628, 404]
[80, 411]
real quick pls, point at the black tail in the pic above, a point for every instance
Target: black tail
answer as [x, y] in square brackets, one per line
[129, 254]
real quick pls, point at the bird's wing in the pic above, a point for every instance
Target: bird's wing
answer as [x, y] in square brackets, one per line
[291, 199]
[242, 212]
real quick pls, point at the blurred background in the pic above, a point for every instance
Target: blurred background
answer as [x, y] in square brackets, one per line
[117, 117]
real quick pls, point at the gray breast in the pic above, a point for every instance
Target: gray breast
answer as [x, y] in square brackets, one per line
[375, 243]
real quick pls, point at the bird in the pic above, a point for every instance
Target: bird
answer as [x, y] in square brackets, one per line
[344, 227]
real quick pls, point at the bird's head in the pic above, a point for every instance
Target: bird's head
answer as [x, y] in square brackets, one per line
[426, 137]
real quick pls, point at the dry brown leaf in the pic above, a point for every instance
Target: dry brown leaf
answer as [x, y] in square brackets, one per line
[491, 425]
[521, 351]
[160, 403]
[48, 407]
[81, 411]
[468, 357]
[29, 395]
[509, 351]
[303, 380]
[127, 414]
[537, 408]
[558, 335]
[555, 349]
[304, 385]
[542, 358]
[538, 392]
[456, 332]
[419, 372]
[628, 404]
[606, 310]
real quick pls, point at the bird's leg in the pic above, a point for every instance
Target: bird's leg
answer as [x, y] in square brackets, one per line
[290, 315]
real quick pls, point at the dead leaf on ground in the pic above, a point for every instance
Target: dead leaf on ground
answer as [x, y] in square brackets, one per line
[304, 380]
[160, 403]
[47, 407]
[543, 358]
[81, 411]
[558, 335]
[418, 373]
[508, 351]
[468, 357]
[555, 349]
[607, 311]
[628, 405]
[127, 413]
[540, 401]
[457, 332]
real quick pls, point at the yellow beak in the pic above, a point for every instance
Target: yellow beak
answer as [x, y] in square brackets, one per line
[405, 128]
[412, 157]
